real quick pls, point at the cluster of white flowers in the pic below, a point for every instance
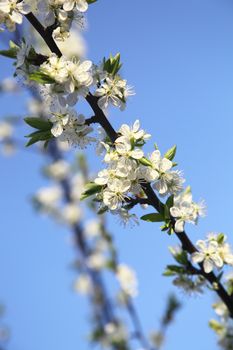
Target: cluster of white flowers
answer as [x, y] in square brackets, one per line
[69, 126]
[113, 90]
[224, 327]
[114, 333]
[73, 78]
[185, 210]
[128, 168]
[123, 172]
[61, 14]
[49, 200]
[11, 13]
[213, 252]
[83, 284]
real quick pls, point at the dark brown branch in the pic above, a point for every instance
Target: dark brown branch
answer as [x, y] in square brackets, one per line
[46, 35]
[91, 120]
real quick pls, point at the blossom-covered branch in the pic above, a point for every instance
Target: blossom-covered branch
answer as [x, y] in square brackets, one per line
[129, 177]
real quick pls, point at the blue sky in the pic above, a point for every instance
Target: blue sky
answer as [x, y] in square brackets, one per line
[178, 55]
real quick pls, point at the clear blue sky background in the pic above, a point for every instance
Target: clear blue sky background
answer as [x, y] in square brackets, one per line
[179, 57]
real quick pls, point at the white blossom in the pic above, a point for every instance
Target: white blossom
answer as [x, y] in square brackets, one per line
[76, 132]
[127, 279]
[58, 170]
[22, 54]
[167, 180]
[6, 130]
[184, 210]
[114, 195]
[111, 91]
[49, 196]
[125, 149]
[114, 333]
[92, 228]
[96, 261]
[71, 213]
[12, 11]
[207, 254]
[55, 67]
[59, 120]
[133, 133]
[83, 284]
[224, 249]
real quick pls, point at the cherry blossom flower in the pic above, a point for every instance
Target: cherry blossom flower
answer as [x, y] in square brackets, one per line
[208, 254]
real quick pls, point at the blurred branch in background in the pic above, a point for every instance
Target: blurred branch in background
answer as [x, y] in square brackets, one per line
[172, 307]
[4, 330]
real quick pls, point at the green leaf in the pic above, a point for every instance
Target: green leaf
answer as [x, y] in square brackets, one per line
[112, 65]
[39, 136]
[91, 189]
[91, 1]
[168, 273]
[170, 154]
[220, 238]
[168, 205]
[181, 257]
[102, 210]
[153, 217]
[10, 53]
[170, 201]
[111, 265]
[172, 270]
[145, 161]
[41, 78]
[188, 190]
[38, 123]
[216, 326]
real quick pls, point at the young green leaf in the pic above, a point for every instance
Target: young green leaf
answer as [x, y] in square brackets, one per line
[38, 123]
[145, 161]
[170, 154]
[41, 78]
[39, 136]
[153, 217]
[11, 52]
[174, 270]
[220, 238]
[91, 189]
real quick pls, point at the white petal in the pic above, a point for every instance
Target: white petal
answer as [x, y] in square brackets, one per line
[82, 5]
[136, 126]
[197, 257]
[208, 265]
[68, 5]
[175, 212]
[57, 129]
[179, 226]
[217, 260]
[155, 156]
[137, 153]
[166, 165]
